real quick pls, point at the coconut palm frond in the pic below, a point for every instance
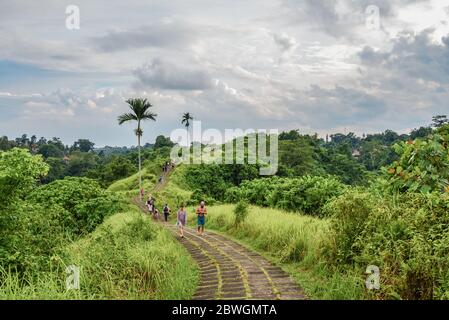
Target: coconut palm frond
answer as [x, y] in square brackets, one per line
[186, 117]
[141, 109]
[126, 117]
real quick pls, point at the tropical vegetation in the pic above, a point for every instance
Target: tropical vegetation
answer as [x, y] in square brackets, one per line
[336, 206]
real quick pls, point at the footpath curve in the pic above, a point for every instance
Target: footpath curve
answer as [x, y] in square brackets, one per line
[228, 270]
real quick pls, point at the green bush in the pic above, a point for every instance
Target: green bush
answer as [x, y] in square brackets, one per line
[258, 191]
[233, 195]
[198, 196]
[83, 203]
[406, 236]
[127, 257]
[213, 180]
[241, 212]
[423, 165]
[306, 194]
[34, 229]
[349, 214]
[91, 213]
[67, 193]
[29, 235]
[19, 173]
[207, 179]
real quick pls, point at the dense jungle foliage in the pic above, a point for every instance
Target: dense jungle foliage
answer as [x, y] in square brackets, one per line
[341, 203]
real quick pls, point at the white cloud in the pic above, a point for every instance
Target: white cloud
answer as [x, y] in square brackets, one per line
[165, 33]
[160, 74]
[285, 42]
[310, 64]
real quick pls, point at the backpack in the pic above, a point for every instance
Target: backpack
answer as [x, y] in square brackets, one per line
[166, 210]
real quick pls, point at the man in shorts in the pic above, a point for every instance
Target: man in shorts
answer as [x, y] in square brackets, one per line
[201, 212]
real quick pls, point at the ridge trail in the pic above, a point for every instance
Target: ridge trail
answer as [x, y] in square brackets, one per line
[228, 270]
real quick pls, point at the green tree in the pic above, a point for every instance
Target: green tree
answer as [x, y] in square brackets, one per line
[50, 150]
[58, 143]
[338, 161]
[112, 169]
[349, 139]
[390, 137]
[423, 164]
[57, 171]
[23, 141]
[140, 111]
[83, 145]
[291, 135]
[19, 172]
[41, 141]
[5, 144]
[421, 132]
[439, 121]
[297, 158]
[374, 155]
[80, 163]
[162, 141]
[83, 204]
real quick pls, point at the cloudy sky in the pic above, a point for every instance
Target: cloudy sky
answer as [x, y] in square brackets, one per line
[316, 65]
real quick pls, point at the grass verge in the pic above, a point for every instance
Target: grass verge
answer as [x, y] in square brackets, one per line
[292, 241]
[127, 257]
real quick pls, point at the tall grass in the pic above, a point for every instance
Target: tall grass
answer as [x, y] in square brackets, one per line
[405, 235]
[127, 257]
[292, 240]
[289, 239]
[131, 184]
[34, 286]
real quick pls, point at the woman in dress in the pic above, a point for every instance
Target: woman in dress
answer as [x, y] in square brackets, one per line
[182, 220]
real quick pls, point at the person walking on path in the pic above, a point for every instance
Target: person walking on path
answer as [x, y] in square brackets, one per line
[156, 214]
[167, 211]
[182, 220]
[201, 212]
[150, 204]
[152, 207]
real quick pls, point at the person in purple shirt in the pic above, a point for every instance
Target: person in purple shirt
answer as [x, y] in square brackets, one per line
[182, 220]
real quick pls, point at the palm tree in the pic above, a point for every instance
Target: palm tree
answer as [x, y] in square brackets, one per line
[140, 112]
[186, 117]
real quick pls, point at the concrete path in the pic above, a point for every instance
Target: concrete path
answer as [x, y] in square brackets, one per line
[231, 271]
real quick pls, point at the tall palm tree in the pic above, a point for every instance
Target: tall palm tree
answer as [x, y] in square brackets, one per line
[140, 111]
[186, 117]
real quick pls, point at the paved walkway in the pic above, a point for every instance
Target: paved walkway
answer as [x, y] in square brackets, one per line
[230, 271]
